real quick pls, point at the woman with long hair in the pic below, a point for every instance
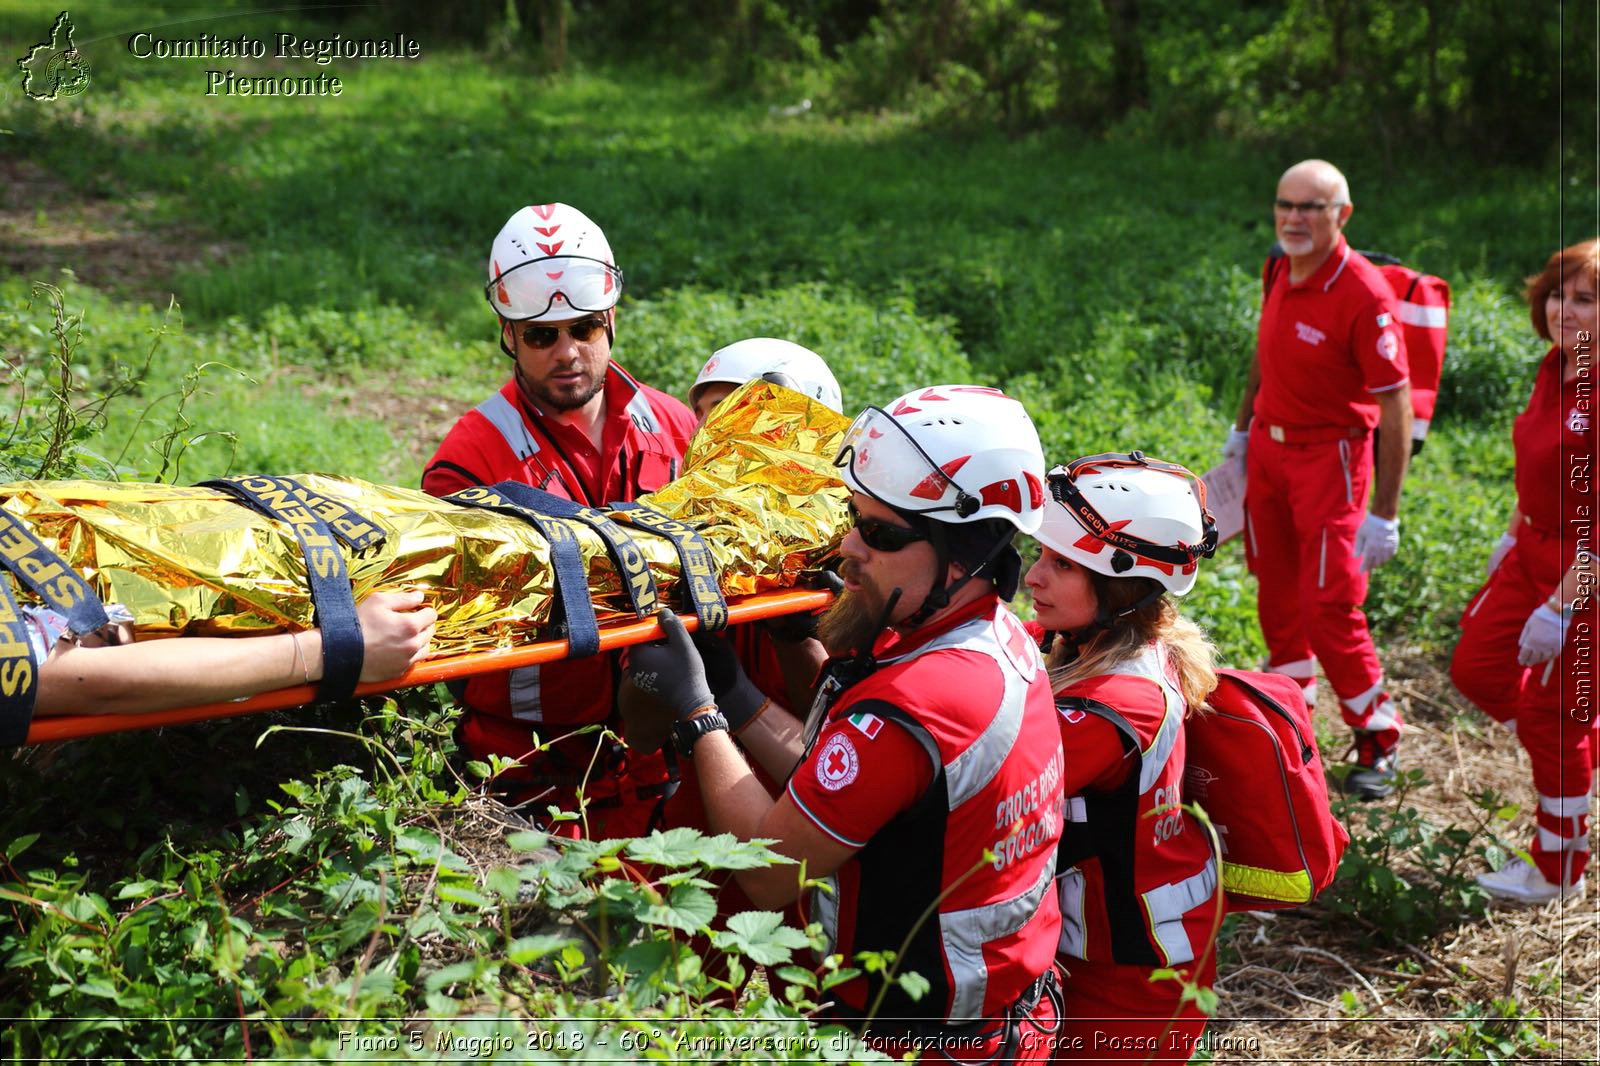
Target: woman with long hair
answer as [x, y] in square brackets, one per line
[1527, 649]
[1121, 540]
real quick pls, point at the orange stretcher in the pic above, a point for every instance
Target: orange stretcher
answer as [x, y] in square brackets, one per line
[618, 635]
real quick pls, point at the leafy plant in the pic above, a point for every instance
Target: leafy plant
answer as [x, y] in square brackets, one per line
[1403, 876]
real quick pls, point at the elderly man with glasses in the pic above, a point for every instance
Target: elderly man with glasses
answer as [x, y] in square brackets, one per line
[572, 422]
[1330, 367]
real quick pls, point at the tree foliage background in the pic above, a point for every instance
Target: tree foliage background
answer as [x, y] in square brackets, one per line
[1382, 78]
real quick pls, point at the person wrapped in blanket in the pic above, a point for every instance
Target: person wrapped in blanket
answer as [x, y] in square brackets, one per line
[107, 672]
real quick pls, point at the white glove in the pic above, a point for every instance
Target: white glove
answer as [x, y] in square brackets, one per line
[1238, 442]
[1376, 541]
[1543, 636]
[1501, 546]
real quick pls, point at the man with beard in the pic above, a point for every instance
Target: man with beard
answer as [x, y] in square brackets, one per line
[1330, 366]
[572, 422]
[925, 790]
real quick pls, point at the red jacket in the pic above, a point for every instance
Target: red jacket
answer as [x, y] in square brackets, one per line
[506, 438]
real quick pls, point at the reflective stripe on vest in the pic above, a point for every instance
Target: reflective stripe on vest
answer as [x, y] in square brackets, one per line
[1167, 905]
[643, 415]
[504, 416]
[825, 912]
[1151, 663]
[527, 701]
[1074, 935]
[966, 932]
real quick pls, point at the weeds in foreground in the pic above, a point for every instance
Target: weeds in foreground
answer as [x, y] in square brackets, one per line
[1403, 877]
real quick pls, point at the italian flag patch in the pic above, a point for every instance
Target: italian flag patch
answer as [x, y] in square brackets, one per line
[868, 724]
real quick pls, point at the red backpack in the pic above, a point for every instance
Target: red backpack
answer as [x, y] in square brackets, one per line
[1253, 766]
[1424, 313]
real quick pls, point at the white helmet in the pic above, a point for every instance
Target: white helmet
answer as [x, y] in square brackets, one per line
[747, 360]
[955, 453]
[1129, 516]
[551, 263]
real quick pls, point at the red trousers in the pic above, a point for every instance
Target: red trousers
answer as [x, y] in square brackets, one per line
[1551, 707]
[1116, 1013]
[1303, 505]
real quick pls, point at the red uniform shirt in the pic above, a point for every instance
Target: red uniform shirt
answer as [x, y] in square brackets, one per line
[506, 438]
[1554, 438]
[1328, 344]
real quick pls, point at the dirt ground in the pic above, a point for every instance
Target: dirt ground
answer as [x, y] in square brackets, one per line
[1304, 990]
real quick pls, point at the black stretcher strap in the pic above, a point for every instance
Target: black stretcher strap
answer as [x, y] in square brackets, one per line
[331, 594]
[19, 672]
[60, 588]
[701, 588]
[566, 560]
[354, 531]
[49, 576]
[637, 582]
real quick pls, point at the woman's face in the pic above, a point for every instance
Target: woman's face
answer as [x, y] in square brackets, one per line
[1573, 315]
[1063, 599]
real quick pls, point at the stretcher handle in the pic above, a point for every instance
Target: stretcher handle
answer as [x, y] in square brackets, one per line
[53, 728]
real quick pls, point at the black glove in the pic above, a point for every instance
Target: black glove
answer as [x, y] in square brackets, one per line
[671, 670]
[793, 628]
[737, 696]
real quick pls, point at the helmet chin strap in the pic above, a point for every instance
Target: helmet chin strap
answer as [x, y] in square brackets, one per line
[938, 597]
[1075, 639]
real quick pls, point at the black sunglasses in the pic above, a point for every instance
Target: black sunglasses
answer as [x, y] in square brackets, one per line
[539, 335]
[883, 536]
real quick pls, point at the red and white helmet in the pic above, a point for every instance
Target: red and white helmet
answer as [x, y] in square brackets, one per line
[955, 453]
[1129, 516]
[551, 263]
[748, 359]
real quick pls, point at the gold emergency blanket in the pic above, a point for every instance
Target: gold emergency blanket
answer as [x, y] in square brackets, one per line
[758, 484]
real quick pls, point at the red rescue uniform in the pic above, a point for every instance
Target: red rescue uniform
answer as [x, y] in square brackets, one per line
[1551, 706]
[1138, 881]
[1325, 347]
[943, 766]
[506, 438]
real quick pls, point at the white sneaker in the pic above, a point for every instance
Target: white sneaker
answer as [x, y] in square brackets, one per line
[1521, 881]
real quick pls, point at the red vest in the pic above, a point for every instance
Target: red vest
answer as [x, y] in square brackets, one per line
[981, 930]
[506, 439]
[1138, 879]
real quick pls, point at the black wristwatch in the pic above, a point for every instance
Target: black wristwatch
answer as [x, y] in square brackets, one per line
[687, 732]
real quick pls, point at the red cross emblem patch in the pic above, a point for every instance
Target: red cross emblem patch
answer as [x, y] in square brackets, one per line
[837, 763]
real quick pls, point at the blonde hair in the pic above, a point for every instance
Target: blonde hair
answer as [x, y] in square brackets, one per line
[1188, 649]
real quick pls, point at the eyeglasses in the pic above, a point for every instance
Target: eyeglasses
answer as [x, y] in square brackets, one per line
[1305, 207]
[540, 336]
[883, 536]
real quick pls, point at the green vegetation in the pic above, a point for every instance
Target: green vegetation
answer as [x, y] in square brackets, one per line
[326, 257]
